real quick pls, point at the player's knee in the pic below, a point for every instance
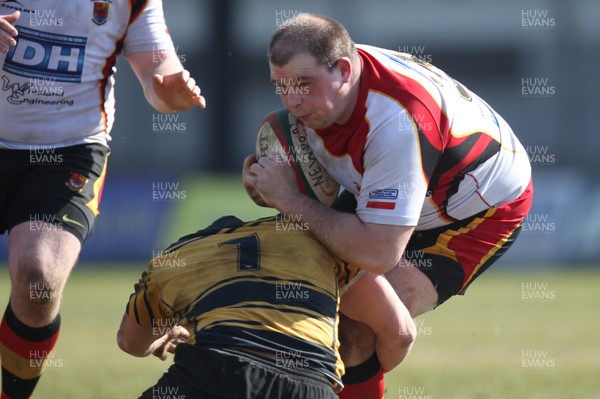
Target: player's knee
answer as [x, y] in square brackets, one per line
[35, 286]
[36, 300]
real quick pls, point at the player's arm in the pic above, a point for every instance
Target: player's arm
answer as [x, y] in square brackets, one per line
[141, 341]
[373, 301]
[147, 327]
[168, 87]
[375, 247]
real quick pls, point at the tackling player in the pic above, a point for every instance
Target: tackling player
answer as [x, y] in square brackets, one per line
[57, 108]
[437, 181]
[259, 307]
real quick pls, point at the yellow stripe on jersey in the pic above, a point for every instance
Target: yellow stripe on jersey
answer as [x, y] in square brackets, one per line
[249, 285]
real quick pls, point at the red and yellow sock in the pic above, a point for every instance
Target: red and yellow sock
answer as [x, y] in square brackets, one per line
[23, 352]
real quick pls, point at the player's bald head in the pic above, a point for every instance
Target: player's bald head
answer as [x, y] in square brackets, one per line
[322, 37]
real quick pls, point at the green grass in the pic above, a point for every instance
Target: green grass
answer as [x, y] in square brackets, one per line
[471, 347]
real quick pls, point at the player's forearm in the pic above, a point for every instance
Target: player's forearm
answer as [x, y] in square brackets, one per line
[138, 346]
[373, 247]
[138, 351]
[168, 87]
[164, 62]
[395, 330]
[156, 102]
[135, 339]
[168, 66]
[347, 236]
[373, 301]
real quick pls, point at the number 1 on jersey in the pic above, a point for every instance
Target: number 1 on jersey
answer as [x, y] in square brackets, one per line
[248, 248]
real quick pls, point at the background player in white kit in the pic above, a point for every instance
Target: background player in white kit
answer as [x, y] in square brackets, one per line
[49, 207]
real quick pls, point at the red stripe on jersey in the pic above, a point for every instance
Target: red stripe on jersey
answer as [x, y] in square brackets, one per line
[413, 97]
[351, 137]
[381, 205]
[103, 84]
[107, 71]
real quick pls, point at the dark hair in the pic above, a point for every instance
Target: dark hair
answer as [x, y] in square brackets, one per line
[322, 37]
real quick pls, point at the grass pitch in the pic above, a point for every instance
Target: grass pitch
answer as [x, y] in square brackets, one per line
[514, 335]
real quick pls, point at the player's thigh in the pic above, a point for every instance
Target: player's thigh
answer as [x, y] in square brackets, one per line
[51, 201]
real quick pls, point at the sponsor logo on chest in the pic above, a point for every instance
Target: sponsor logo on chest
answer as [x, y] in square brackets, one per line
[46, 55]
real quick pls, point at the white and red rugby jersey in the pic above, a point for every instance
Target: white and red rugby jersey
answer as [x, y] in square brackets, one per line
[420, 149]
[57, 82]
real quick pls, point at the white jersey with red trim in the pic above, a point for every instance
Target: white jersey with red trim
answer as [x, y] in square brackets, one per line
[420, 149]
[57, 82]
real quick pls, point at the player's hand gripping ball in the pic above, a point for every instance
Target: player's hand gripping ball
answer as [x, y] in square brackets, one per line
[282, 134]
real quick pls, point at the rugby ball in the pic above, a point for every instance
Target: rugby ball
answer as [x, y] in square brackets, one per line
[282, 134]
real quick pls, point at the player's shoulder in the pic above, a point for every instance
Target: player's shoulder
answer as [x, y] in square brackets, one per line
[387, 58]
[367, 48]
[388, 73]
[224, 222]
[223, 225]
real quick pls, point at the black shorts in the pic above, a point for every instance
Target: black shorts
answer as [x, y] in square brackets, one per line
[56, 187]
[454, 255]
[209, 373]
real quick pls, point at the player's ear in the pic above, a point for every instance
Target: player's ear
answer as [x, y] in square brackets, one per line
[344, 66]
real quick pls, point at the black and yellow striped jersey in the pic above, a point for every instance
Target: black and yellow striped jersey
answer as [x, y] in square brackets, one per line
[259, 286]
